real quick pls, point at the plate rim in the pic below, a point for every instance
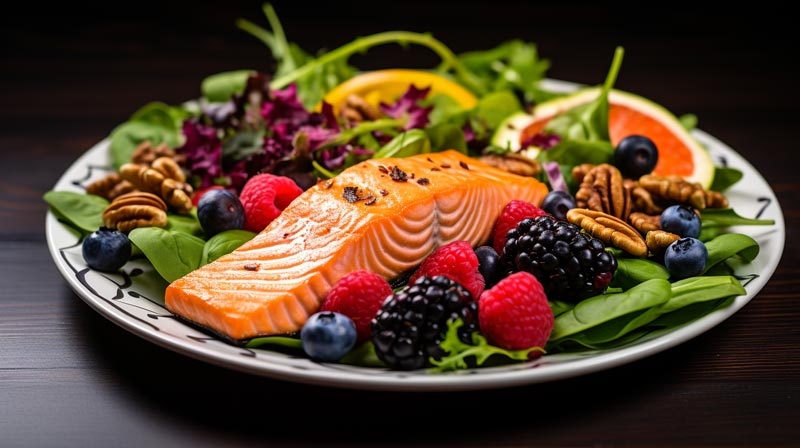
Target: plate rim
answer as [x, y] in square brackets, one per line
[487, 378]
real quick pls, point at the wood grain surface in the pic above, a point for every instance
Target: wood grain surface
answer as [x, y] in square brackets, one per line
[68, 377]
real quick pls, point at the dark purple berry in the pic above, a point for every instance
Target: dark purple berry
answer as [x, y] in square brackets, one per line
[635, 156]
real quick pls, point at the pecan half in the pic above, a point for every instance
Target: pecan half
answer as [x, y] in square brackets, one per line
[513, 163]
[110, 187]
[602, 189]
[676, 189]
[133, 210]
[658, 240]
[146, 153]
[609, 229]
[644, 222]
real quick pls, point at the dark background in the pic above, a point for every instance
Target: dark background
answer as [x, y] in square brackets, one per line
[68, 377]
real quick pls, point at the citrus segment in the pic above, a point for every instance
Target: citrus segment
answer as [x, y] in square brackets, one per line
[678, 153]
[388, 85]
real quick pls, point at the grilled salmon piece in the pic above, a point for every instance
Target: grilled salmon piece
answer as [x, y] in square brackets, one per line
[382, 215]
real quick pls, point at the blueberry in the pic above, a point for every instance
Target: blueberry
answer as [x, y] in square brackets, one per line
[489, 265]
[328, 336]
[686, 257]
[220, 210]
[106, 249]
[557, 203]
[680, 220]
[635, 156]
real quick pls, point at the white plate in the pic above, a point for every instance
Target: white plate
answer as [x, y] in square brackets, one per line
[133, 299]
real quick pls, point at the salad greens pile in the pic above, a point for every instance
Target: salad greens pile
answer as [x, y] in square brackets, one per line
[247, 122]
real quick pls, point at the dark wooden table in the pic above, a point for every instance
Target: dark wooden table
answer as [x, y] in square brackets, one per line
[68, 377]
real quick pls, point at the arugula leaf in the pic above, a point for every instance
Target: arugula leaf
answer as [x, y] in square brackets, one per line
[513, 65]
[584, 129]
[446, 136]
[223, 86]
[406, 144]
[480, 350]
[242, 144]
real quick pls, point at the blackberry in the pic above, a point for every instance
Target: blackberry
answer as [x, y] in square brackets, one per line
[412, 322]
[569, 264]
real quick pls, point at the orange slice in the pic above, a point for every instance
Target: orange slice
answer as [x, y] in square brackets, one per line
[679, 154]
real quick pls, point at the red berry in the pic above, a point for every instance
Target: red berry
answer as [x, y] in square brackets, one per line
[264, 197]
[514, 314]
[358, 295]
[199, 194]
[514, 212]
[456, 261]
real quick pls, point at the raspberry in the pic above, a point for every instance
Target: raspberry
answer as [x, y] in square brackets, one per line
[456, 261]
[514, 314]
[264, 197]
[514, 212]
[358, 295]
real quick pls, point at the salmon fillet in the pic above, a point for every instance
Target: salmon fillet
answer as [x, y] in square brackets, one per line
[382, 215]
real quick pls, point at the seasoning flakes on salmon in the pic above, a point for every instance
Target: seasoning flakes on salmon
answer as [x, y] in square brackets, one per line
[374, 216]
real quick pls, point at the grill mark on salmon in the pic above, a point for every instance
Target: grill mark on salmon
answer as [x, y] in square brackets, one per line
[321, 236]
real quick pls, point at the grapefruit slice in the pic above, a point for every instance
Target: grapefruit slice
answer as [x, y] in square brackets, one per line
[388, 85]
[679, 154]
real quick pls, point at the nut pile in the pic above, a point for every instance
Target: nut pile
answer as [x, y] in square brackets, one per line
[620, 211]
[144, 189]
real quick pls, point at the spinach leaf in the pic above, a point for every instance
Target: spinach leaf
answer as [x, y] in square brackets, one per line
[569, 153]
[223, 86]
[406, 144]
[363, 355]
[173, 254]
[275, 341]
[684, 293]
[185, 223]
[632, 271]
[559, 307]
[154, 122]
[729, 244]
[725, 177]
[84, 211]
[699, 289]
[605, 307]
[224, 243]
[723, 217]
